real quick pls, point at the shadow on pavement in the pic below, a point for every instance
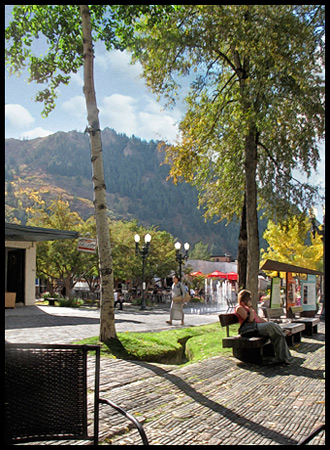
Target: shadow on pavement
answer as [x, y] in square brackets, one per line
[37, 318]
[295, 368]
[218, 408]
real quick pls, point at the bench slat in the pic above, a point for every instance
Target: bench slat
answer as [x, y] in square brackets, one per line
[241, 342]
[228, 319]
[293, 327]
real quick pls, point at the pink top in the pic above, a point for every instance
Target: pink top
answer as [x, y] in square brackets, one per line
[240, 318]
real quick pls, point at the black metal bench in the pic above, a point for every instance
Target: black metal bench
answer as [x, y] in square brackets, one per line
[46, 394]
[310, 322]
[254, 349]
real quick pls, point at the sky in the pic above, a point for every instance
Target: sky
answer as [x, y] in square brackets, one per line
[125, 104]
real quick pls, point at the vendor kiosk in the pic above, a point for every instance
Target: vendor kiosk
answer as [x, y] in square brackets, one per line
[308, 286]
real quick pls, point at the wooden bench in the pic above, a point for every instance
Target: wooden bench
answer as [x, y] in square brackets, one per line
[254, 349]
[310, 322]
[274, 314]
[277, 315]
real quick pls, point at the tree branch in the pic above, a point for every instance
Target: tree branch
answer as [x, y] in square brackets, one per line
[304, 185]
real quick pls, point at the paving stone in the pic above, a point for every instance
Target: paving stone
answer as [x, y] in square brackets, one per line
[217, 401]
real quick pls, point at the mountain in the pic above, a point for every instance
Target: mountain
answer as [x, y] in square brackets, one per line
[135, 178]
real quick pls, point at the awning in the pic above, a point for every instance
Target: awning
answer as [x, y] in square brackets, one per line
[217, 274]
[232, 276]
[14, 232]
[283, 267]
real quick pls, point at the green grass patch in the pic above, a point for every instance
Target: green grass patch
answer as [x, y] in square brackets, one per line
[168, 346]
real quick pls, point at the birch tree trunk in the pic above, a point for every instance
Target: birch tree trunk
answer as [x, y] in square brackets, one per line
[107, 317]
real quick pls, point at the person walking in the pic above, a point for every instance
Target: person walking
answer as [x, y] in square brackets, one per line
[178, 299]
[251, 323]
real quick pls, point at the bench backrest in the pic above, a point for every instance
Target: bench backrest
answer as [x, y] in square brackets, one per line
[274, 313]
[228, 319]
[296, 309]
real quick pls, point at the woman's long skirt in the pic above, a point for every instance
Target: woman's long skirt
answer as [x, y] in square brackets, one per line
[176, 312]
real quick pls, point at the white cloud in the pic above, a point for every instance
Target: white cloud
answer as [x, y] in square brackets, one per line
[118, 62]
[142, 117]
[118, 112]
[75, 107]
[35, 133]
[18, 122]
[156, 126]
[18, 117]
[77, 78]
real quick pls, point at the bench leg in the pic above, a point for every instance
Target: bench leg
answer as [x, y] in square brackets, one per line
[289, 340]
[248, 355]
[268, 350]
[293, 339]
[297, 338]
[310, 330]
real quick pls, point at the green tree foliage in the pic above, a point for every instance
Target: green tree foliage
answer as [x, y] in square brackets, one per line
[200, 251]
[64, 265]
[59, 260]
[255, 108]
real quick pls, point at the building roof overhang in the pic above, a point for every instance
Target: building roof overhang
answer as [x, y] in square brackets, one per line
[283, 267]
[14, 232]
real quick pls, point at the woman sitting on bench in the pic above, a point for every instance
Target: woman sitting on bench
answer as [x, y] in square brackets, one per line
[249, 321]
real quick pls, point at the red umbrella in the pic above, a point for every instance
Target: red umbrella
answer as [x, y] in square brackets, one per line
[216, 274]
[196, 274]
[231, 276]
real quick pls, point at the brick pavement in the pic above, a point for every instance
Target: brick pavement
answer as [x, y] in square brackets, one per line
[216, 401]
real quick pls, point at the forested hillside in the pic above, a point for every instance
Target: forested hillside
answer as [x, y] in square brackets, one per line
[135, 179]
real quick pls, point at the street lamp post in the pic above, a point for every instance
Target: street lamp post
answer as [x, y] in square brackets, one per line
[143, 253]
[321, 232]
[180, 257]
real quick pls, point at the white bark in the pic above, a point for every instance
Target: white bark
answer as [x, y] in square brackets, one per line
[107, 326]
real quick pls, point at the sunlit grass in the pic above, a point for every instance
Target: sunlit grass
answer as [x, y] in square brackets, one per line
[202, 342]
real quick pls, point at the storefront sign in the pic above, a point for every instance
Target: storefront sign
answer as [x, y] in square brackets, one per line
[87, 245]
[275, 296]
[308, 293]
[291, 290]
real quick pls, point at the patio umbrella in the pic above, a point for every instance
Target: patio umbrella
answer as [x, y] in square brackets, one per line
[231, 276]
[216, 274]
[196, 274]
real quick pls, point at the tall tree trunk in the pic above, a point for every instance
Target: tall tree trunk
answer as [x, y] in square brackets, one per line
[107, 325]
[242, 249]
[251, 214]
[242, 65]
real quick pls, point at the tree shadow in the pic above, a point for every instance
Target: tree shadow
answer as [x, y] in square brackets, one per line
[295, 368]
[239, 419]
[39, 319]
